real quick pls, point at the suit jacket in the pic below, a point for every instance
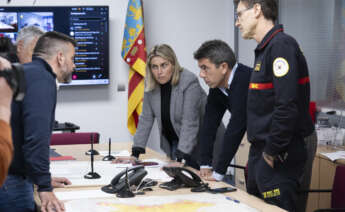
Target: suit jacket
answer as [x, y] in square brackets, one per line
[186, 109]
[217, 104]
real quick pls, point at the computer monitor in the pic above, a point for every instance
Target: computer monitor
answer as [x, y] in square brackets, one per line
[88, 25]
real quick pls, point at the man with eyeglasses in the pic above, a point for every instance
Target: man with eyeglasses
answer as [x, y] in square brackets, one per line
[277, 107]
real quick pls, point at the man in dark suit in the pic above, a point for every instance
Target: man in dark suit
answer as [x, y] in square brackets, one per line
[228, 82]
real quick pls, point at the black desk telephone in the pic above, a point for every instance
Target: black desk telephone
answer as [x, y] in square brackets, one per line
[182, 178]
[135, 175]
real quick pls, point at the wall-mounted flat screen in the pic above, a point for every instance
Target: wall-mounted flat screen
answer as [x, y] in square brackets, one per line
[88, 25]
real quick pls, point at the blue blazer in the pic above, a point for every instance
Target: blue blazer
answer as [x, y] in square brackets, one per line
[217, 104]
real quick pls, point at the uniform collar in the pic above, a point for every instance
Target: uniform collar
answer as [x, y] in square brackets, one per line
[268, 37]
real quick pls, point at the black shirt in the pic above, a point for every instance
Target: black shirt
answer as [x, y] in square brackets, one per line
[167, 129]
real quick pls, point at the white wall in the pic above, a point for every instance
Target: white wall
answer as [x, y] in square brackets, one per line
[319, 43]
[183, 24]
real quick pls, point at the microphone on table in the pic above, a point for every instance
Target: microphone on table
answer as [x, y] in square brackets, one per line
[92, 151]
[92, 174]
[109, 157]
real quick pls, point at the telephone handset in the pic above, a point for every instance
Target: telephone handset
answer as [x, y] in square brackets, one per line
[182, 178]
[135, 175]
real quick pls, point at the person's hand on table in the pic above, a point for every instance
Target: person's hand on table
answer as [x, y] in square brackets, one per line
[209, 178]
[174, 164]
[60, 182]
[49, 202]
[206, 174]
[125, 159]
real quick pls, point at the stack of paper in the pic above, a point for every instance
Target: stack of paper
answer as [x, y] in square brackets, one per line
[335, 155]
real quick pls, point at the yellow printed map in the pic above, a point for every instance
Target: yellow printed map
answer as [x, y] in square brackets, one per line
[203, 202]
[185, 206]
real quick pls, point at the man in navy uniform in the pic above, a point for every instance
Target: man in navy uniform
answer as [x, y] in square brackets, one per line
[228, 82]
[32, 122]
[277, 109]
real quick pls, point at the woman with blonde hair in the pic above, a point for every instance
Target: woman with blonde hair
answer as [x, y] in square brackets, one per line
[174, 97]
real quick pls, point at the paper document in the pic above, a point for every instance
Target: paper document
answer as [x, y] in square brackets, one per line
[75, 171]
[122, 153]
[335, 155]
[82, 194]
[61, 158]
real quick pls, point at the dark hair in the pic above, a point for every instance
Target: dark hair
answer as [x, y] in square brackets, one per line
[268, 7]
[8, 50]
[50, 42]
[217, 52]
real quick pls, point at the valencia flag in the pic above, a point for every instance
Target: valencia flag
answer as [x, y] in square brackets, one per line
[134, 54]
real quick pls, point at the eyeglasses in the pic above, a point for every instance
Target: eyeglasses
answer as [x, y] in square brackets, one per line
[240, 13]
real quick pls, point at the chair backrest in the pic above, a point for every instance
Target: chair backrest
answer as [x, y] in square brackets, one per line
[312, 111]
[338, 191]
[74, 138]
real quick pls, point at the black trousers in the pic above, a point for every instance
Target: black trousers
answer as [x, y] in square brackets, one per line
[278, 185]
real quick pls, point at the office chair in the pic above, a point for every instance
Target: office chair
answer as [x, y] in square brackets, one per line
[338, 191]
[312, 111]
[74, 138]
[245, 170]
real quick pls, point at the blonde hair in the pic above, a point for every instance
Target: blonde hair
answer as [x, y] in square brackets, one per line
[166, 52]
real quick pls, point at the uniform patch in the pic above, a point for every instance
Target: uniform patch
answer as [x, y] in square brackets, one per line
[257, 67]
[269, 194]
[280, 67]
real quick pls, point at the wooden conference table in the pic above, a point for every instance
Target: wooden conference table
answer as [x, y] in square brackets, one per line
[78, 151]
[322, 177]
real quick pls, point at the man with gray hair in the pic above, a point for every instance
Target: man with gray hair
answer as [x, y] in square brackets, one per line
[26, 41]
[32, 122]
[278, 119]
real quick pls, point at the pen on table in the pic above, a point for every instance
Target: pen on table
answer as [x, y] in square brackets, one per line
[235, 200]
